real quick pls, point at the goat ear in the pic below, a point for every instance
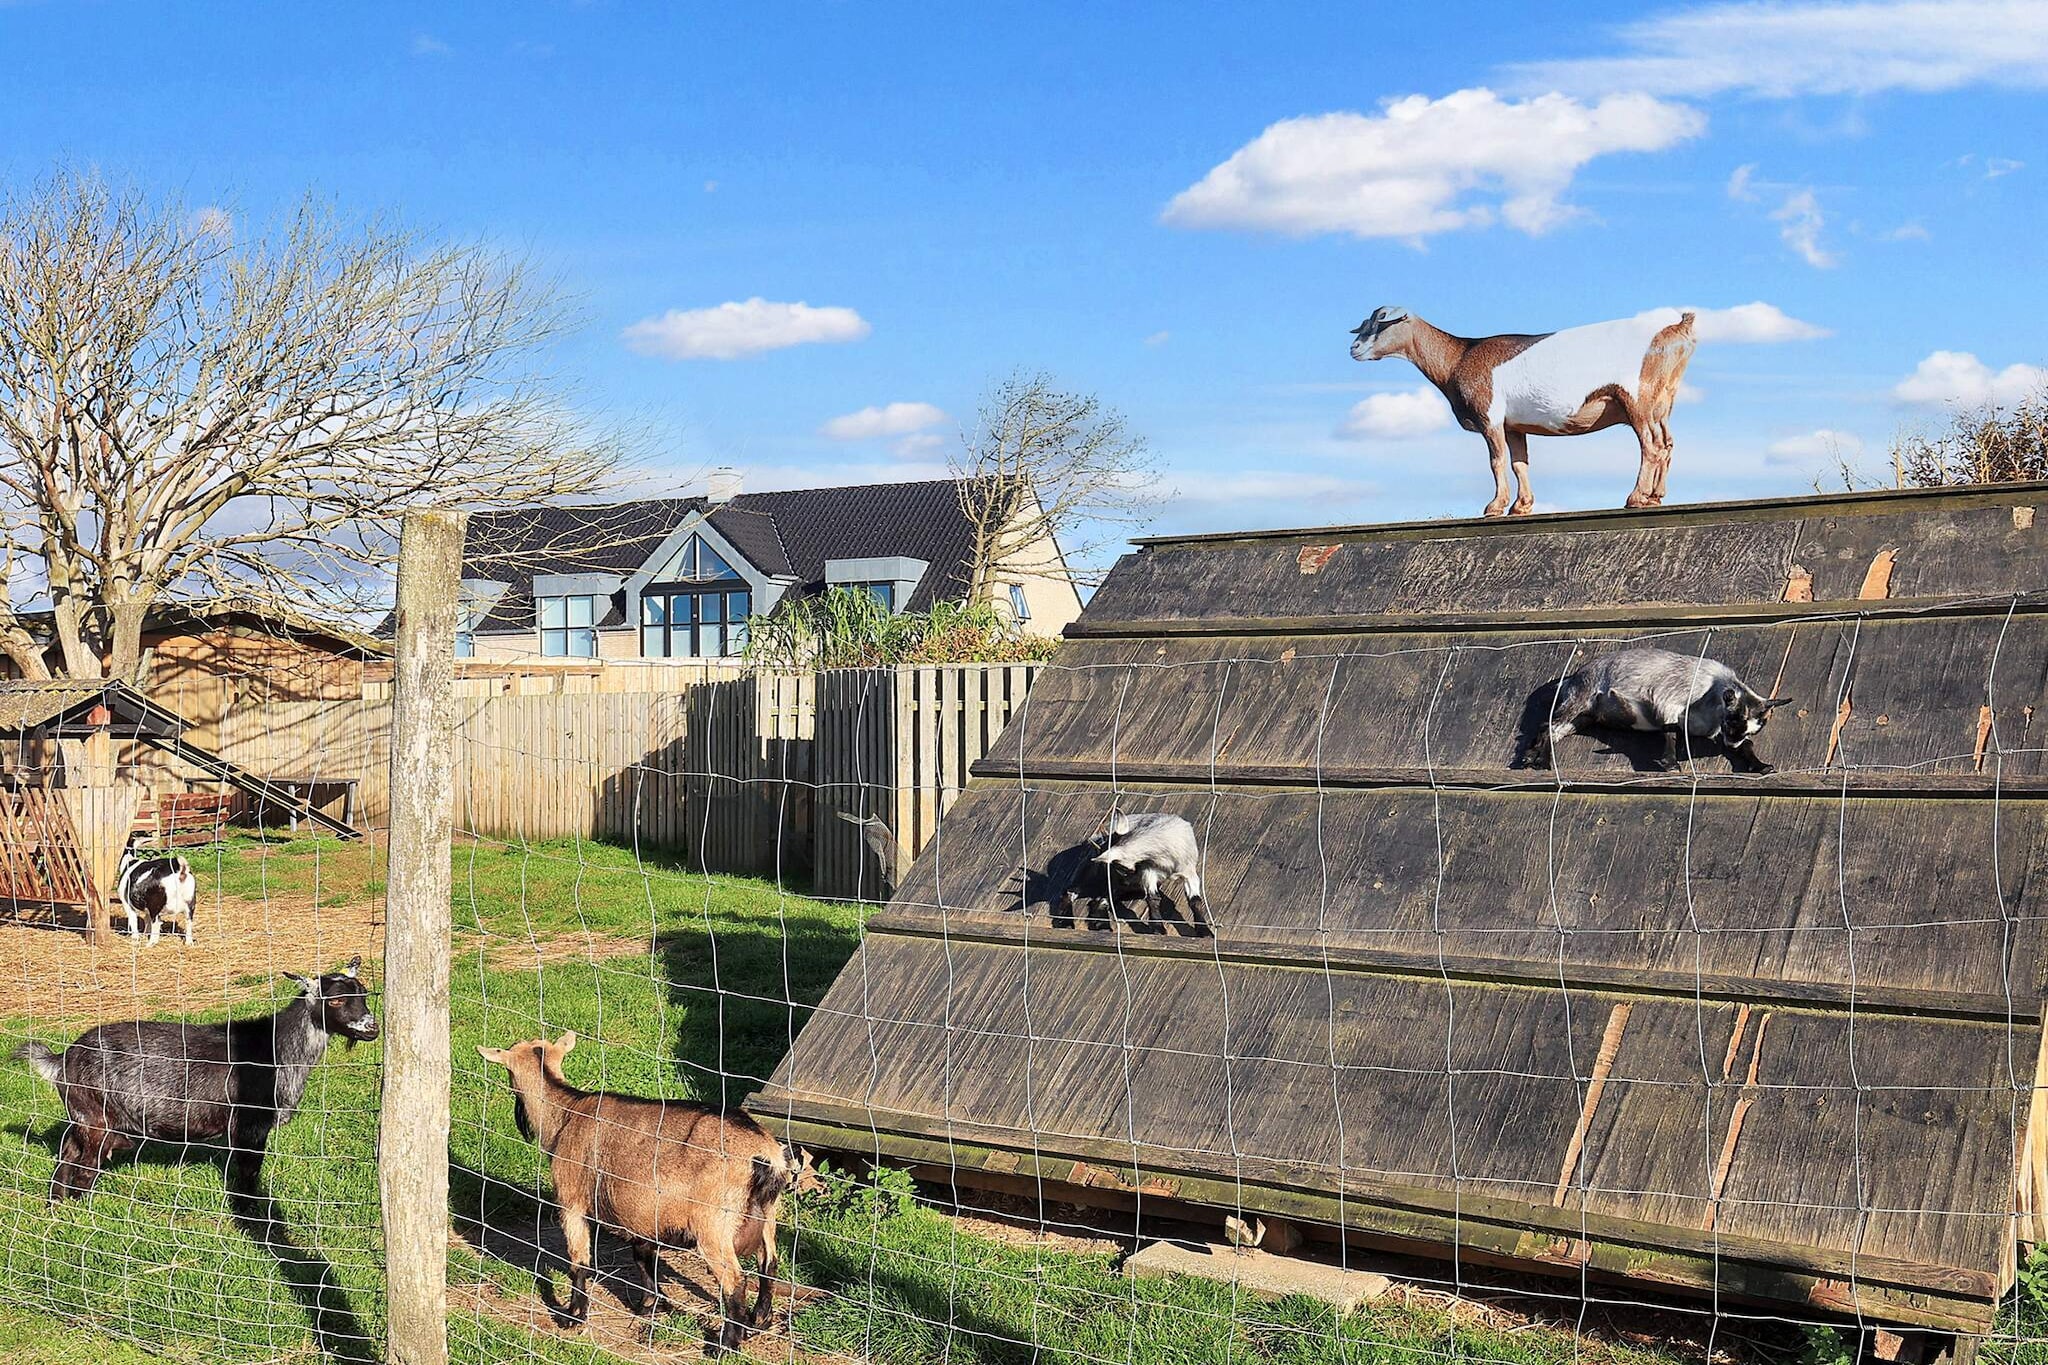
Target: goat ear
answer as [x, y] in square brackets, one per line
[1774, 703]
[491, 1054]
[306, 984]
[567, 1042]
[355, 965]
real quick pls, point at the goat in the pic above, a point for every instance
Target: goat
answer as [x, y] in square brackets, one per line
[1688, 697]
[157, 889]
[655, 1172]
[1143, 857]
[1511, 387]
[144, 1079]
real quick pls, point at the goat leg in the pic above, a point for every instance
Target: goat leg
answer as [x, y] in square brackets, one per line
[74, 1176]
[576, 1237]
[724, 1264]
[1198, 911]
[1743, 758]
[648, 1258]
[766, 1266]
[246, 1195]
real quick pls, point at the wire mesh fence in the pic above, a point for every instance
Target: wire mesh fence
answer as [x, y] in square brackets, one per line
[1598, 1061]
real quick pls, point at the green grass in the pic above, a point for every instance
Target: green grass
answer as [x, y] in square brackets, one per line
[693, 1011]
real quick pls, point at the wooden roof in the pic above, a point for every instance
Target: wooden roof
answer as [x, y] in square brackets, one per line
[1772, 1036]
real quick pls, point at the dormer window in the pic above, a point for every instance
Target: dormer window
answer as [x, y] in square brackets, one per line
[568, 626]
[698, 611]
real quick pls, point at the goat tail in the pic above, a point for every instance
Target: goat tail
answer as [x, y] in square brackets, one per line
[770, 1179]
[41, 1060]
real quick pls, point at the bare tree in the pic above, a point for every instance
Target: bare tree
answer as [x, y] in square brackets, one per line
[1973, 444]
[187, 415]
[1046, 464]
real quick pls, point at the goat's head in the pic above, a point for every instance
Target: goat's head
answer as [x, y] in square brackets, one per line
[1744, 713]
[1382, 334]
[532, 1064]
[340, 1004]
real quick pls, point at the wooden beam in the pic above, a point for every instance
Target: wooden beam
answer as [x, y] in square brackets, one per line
[1887, 1290]
[1820, 996]
[1868, 502]
[413, 1124]
[1872, 782]
[1550, 621]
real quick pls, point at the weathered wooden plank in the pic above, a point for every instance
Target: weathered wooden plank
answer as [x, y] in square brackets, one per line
[1934, 896]
[1470, 701]
[1730, 1279]
[1378, 1084]
[1657, 565]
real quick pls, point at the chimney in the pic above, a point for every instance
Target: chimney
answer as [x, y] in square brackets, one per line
[722, 486]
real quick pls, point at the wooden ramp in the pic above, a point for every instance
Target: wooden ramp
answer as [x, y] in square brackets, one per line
[1775, 1038]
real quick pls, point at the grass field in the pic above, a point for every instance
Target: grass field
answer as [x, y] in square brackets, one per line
[676, 985]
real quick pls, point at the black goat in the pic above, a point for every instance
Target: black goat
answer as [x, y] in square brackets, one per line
[126, 1083]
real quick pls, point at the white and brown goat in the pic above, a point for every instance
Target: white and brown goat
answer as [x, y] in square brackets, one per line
[1509, 388]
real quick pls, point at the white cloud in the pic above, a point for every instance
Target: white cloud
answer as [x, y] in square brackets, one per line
[1395, 416]
[1995, 166]
[1269, 485]
[1757, 323]
[1804, 449]
[211, 220]
[1421, 166]
[711, 187]
[1959, 377]
[427, 45]
[918, 445]
[736, 329]
[1802, 221]
[890, 419]
[1783, 50]
[1159, 338]
[1908, 232]
[1689, 393]
[1739, 186]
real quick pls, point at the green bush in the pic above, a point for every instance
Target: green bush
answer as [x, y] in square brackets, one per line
[842, 628]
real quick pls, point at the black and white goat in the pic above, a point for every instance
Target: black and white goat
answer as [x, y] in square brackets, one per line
[123, 1084]
[1144, 856]
[156, 889]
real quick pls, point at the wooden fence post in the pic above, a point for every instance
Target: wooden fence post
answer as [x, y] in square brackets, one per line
[412, 1130]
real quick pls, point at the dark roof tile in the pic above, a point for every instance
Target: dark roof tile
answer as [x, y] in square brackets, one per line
[788, 534]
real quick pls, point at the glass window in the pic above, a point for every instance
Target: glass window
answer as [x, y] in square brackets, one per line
[465, 645]
[884, 593]
[1019, 608]
[686, 623]
[568, 627]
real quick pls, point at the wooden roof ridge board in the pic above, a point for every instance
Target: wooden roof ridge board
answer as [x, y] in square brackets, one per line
[1913, 556]
[1765, 1037]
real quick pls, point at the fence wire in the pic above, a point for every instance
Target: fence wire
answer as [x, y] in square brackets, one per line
[645, 870]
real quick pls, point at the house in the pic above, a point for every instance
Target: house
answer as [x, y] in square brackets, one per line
[677, 578]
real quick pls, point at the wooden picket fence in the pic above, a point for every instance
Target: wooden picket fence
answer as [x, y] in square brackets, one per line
[748, 774]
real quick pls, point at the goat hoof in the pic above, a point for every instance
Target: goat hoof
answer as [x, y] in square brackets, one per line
[1493, 509]
[1521, 509]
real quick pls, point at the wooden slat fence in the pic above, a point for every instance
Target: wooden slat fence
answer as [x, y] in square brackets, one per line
[745, 775]
[897, 744]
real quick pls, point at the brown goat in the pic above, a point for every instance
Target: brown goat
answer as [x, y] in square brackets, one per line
[657, 1173]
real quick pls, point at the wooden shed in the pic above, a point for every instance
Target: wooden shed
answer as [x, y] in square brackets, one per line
[1776, 1038]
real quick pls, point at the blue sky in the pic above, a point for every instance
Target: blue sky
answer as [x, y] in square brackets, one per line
[1183, 208]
